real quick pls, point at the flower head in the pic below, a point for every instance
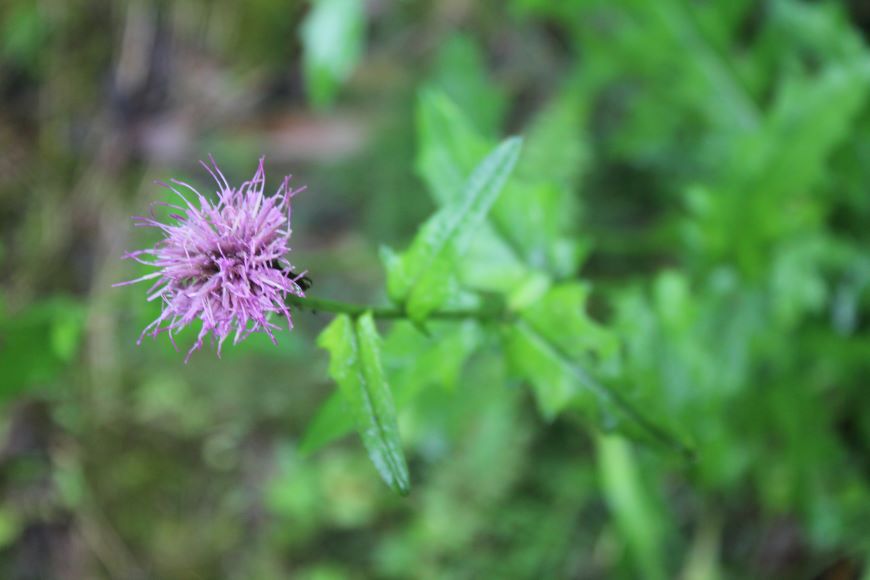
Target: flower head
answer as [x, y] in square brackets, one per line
[223, 263]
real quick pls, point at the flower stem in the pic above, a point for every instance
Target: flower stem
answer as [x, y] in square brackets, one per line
[482, 314]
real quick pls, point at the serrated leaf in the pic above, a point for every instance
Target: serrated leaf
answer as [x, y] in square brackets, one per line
[560, 314]
[421, 278]
[553, 382]
[560, 381]
[553, 342]
[332, 41]
[554, 345]
[355, 364]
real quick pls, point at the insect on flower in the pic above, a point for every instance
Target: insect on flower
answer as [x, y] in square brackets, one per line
[223, 263]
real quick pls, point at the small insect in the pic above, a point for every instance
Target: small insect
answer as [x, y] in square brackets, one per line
[304, 282]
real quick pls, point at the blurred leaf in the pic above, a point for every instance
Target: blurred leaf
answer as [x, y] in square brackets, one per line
[490, 265]
[10, 527]
[561, 315]
[419, 278]
[449, 146]
[702, 561]
[528, 291]
[460, 73]
[530, 216]
[765, 188]
[726, 88]
[556, 150]
[550, 343]
[23, 34]
[808, 32]
[557, 348]
[437, 359]
[36, 343]
[555, 380]
[355, 364]
[637, 518]
[332, 40]
[449, 149]
[332, 421]
[537, 209]
[809, 118]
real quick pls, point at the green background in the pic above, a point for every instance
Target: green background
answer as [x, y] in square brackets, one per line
[701, 168]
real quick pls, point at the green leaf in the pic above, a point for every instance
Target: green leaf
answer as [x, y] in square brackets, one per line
[37, 343]
[450, 146]
[558, 349]
[557, 379]
[726, 91]
[449, 149]
[355, 364]
[561, 316]
[438, 360]
[491, 265]
[553, 379]
[460, 73]
[23, 34]
[556, 148]
[539, 209]
[637, 516]
[538, 206]
[423, 277]
[332, 40]
[780, 166]
[810, 118]
[332, 421]
[530, 217]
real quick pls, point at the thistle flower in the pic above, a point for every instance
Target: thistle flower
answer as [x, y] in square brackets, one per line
[223, 263]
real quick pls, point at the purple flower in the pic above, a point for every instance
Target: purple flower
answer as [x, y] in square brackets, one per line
[222, 263]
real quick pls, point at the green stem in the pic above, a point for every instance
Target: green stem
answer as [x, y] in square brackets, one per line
[393, 313]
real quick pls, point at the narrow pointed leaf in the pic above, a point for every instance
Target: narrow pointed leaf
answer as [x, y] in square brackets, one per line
[422, 276]
[355, 364]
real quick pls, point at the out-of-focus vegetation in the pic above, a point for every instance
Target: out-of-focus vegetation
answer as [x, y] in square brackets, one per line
[684, 241]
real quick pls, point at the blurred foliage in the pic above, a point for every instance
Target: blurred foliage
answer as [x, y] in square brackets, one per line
[681, 247]
[332, 35]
